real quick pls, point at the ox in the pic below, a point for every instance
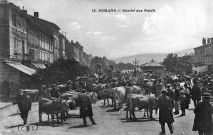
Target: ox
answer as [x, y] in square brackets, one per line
[98, 87]
[141, 102]
[106, 94]
[122, 94]
[119, 94]
[52, 107]
[93, 96]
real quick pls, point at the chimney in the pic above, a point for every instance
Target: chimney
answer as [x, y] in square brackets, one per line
[204, 41]
[25, 11]
[36, 14]
[208, 40]
[211, 40]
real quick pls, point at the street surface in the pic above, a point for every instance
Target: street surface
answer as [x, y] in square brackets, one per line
[108, 122]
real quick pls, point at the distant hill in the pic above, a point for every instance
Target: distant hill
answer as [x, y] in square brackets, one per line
[143, 58]
[147, 57]
[186, 51]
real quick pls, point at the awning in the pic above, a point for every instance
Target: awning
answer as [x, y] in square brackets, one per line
[20, 67]
[39, 65]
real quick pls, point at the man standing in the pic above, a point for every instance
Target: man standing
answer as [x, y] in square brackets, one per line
[24, 105]
[203, 116]
[158, 87]
[54, 92]
[85, 108]
[196, 93]
[165, 112]
[43, 92]
[176, 98]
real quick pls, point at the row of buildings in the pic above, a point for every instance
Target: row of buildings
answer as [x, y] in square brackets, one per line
[28, 42]
[203, 56]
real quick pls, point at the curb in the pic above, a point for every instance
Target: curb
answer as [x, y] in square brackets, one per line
[1, 108]
[11, 104]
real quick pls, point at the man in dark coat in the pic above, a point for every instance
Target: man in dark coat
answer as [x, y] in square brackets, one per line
[165, 112]
[54, 92]
[85, 108]
[196, 93]
[203, 116]
[176, 98]
[24, 105]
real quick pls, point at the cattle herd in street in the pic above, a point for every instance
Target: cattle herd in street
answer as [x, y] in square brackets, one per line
[124, 91]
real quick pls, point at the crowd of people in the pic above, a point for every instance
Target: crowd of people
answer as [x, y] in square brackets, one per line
[174, 93]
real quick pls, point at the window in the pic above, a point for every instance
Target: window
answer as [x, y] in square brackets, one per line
[43, 57]
[32, 54]
[14, 19]
[40, 55]
[15, 45]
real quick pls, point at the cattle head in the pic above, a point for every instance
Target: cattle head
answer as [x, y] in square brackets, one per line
[72, 104]
[65, 105]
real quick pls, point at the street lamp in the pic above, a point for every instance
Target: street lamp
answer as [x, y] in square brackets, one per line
[135, 62]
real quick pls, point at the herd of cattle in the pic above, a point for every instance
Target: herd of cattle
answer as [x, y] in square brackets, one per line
[133, 96]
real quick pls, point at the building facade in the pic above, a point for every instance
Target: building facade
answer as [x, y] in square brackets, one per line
[62, 42]
[69, 49]
[75, 50]
[26, 43]
[203, 55]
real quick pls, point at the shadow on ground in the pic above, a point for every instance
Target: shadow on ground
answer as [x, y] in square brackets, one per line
[49, 123]
[80, 126]
[137, 120]
[13, 126]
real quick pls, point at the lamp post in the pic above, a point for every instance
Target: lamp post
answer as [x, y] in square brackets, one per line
[135, 62]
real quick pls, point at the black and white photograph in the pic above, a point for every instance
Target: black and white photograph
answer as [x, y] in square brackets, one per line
[106, 67]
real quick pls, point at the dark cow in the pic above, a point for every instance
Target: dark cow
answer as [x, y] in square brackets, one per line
[141, 102]
[52, 107]
[106, 94]
[98, 87]
[73, 97]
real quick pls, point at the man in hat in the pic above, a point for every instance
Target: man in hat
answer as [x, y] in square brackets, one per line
[176, 98]
[24, 105]
[203, 116]
[85, 108]
[158, 87]
[196, 93]
[54, 92]
[43, 92]
[165, 112]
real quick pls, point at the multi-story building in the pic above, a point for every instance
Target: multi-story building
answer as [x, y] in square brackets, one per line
[62, 40]
[28, 42]
[25, 41]
[13, 42]
[203, 55]
[40, 46]
[69, 49]
[75, 50]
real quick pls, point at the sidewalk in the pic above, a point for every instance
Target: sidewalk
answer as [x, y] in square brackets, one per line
[5, 104]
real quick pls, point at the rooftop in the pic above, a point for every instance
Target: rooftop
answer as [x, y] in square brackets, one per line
[152, 64]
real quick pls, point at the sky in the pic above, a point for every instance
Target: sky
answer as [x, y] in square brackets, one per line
[174, 26]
